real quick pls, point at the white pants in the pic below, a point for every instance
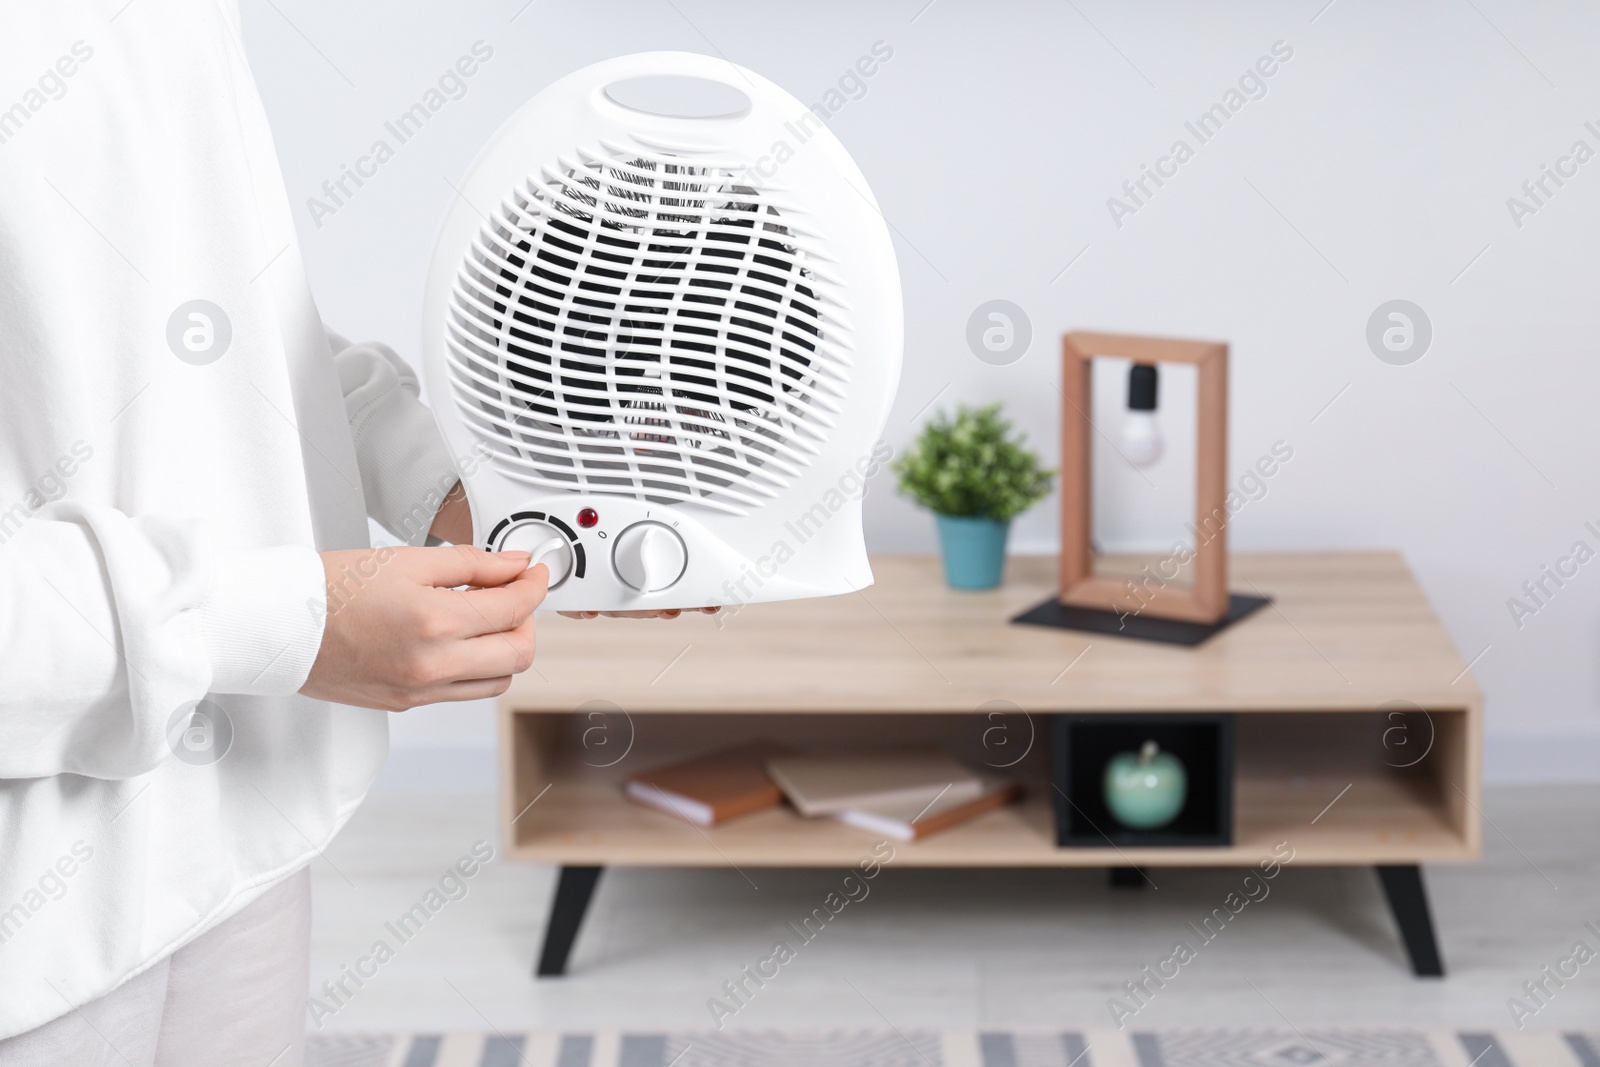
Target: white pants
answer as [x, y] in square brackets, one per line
[233, 997]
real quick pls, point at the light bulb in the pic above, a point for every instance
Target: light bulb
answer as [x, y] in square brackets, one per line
[1141, 438]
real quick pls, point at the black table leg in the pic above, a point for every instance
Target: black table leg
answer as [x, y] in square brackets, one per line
[1408, 899]
[1127, 878]
[574, 888]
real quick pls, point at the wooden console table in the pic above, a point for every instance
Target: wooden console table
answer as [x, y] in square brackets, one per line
[1322, 759]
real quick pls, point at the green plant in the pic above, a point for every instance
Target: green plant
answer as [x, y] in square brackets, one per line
[970, 464]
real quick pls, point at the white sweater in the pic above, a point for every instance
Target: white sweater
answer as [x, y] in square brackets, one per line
[163, 499]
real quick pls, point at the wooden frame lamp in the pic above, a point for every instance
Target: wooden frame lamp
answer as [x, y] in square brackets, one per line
[1152, 606]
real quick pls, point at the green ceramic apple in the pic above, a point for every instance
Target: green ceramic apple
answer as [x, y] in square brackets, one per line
[1145, 790]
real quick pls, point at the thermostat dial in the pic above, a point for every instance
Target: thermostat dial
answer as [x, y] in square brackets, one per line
[649, 556]
[530, 536]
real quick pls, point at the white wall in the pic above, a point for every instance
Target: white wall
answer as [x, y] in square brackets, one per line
[1377, 166]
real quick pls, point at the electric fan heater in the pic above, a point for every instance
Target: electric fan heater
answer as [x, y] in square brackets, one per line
[663, 328]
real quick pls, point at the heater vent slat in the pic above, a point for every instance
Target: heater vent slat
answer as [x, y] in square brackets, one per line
[639, 323]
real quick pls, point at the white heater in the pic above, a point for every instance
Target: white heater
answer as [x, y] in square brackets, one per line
[665, 314]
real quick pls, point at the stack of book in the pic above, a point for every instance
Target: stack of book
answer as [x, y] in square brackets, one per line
[710, 790]
[905, 795]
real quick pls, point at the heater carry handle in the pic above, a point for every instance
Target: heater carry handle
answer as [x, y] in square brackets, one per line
[679, 86]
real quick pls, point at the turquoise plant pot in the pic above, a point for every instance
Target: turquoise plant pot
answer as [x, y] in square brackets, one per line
[974, 550]
[1145, 790]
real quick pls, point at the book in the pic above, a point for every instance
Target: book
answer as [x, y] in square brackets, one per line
[709, 790]
[830, 784]
[907, 822]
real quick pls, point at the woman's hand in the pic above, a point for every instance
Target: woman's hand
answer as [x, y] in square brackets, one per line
[453, 521]
[400, 633]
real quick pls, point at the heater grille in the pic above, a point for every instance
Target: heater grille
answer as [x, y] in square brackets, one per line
[650, 324]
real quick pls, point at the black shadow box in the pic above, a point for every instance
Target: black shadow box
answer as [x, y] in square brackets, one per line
[1084, 744]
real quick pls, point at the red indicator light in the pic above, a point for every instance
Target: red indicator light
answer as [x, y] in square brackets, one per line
[588, 517]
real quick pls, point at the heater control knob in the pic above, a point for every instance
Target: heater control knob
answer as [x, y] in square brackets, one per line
[547, 544]
[649, 556]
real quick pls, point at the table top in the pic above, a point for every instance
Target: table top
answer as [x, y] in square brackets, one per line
[1345, 631]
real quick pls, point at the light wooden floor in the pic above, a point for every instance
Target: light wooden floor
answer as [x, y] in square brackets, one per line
[951, 948]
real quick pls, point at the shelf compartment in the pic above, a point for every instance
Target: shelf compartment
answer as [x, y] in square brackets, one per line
[1324, 781]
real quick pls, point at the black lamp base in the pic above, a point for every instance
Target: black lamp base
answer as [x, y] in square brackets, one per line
[1140, 627]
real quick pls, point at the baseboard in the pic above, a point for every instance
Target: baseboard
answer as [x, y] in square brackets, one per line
[443, 768]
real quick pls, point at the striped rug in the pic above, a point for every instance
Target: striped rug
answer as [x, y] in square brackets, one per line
[1318, 1047]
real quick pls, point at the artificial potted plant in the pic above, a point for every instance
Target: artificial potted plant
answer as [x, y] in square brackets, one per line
[975, 476]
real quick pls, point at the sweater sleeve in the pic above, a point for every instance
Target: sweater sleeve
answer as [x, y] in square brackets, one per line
[111, 624]
[406, 470]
